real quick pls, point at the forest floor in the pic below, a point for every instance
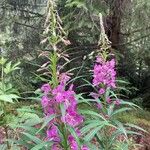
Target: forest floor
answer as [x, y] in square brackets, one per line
[140, 118]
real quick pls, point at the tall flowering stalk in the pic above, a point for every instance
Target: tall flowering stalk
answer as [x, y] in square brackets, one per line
[101, 127]
[104, 72]
[58, 100]
[61, 102]
[104, 78]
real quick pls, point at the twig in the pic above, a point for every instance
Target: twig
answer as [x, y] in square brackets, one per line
[134, 31]
[26, 25]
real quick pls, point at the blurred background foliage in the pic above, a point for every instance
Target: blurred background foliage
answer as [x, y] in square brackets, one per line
[126, 24]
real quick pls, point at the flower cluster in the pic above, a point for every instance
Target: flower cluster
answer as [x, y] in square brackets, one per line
[67, 97]
[104, 77]
[51, 102]
[73, 144]
[104, 74]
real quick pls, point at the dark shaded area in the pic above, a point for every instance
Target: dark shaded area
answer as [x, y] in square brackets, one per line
[126, 24]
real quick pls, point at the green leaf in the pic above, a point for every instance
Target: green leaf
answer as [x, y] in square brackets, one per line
[73, 69]
[130, 104]
[3, 61]
[1, 112]
[133, 133]
[92, 133]
[79, 4]
[32, 130]
[26, 110]
[8, 98]
[33, 138]
[63, 66]
[7, 68]
[33, 121]
[136, 127]
[98, 137]
[15, 66]
[120, 110]
[90, 84]
[24, 142]
[92, 113]
[122, 129]
[122, 81]
[3, 147]
[46, 121]
[41, 146]
[74, 134]
[90, 126]
[76, 78]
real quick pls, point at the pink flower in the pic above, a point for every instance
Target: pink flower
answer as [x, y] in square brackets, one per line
[72, 118]
[94, 95]
[64, 96]
[58, 93]
[52, 134]
[63, 78]
[112, 63]
[46, 88]
[49, 107]
[78, 132]
[105, 74]
[99, 60]
[44, 101]
[72, 142]
[99, 106]
[108, 100]
[56, 147]
[49, 111]
[84, 147]
[117, 102]
[101, 91]
[69, 99]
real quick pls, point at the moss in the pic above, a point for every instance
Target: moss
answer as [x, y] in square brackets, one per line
[136, 117]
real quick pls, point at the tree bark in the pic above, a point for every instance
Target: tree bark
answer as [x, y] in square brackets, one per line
[115, 19]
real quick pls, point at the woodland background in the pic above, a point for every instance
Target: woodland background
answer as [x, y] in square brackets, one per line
[126, 24]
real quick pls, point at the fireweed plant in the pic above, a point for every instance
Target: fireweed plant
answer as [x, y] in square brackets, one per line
[101, 128]
[104, 77]
[59, 101]
[67, 126]
[67, 129]
[97, 127]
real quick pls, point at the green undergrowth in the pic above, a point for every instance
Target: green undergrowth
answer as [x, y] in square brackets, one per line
[139, 117]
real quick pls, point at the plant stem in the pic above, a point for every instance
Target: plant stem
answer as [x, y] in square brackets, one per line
[7, 136]
[2, 78]
[3, 107]
[65, 137]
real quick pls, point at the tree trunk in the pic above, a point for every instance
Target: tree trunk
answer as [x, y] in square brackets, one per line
[115, 18]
